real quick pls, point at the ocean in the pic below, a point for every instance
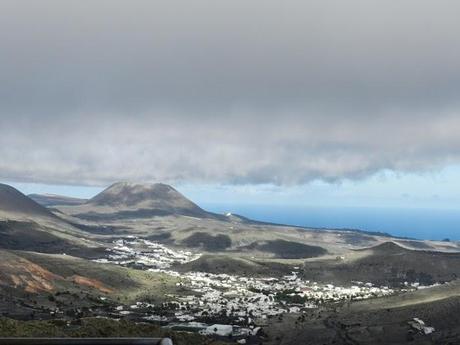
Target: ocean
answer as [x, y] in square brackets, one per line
[435, 224]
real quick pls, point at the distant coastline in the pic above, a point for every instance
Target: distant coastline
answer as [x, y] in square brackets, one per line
[425, 224]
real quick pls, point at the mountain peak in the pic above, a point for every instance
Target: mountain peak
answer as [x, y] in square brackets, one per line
[159, 198]
[13, 201]
[131, 194]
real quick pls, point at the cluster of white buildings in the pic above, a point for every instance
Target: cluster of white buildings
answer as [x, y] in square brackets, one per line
[147, 253]
[239, 299]
[245, 299]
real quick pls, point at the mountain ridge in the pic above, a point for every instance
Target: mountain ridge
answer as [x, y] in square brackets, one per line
[130, 199]
[13, 201]
[48, 200]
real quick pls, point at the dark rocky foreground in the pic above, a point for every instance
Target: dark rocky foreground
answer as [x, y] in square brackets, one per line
[345, 324]
[96, 328]
[361, 325]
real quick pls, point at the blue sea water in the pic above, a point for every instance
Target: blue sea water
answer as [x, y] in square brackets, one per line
[435, 224]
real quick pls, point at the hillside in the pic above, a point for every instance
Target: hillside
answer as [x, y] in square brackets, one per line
[26, 225]
[34, 285]
[380, 321]
[387, 264]
[15, 203]
[48, 200]
[132, 200]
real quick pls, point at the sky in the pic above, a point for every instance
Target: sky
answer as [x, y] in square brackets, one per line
[324, 102]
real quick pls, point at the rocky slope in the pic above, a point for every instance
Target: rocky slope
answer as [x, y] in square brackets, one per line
[132, 200]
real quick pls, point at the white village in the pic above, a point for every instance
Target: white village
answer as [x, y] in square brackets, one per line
[240, 304]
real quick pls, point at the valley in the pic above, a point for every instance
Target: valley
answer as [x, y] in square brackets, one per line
[146, 255]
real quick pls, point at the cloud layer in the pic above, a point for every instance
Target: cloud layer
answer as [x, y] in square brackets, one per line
[227, 92]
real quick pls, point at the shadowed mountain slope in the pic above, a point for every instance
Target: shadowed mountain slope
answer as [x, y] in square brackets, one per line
[26, 225]
[13, 201]
[23, 235]
[235, 265]
[287, 249]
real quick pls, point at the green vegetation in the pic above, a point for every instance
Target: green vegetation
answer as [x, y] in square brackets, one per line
[232, 264]
[208, 242]
[94, 327]
[287, 249]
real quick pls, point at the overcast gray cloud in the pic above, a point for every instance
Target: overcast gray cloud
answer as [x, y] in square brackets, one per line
[227, 91]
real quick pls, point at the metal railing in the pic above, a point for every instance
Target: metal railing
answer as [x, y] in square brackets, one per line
[85, 341]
